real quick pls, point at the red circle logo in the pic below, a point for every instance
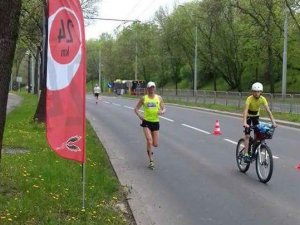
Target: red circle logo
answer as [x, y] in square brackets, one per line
[64, 36]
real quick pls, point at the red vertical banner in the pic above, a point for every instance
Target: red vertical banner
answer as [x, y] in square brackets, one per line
[66, 77]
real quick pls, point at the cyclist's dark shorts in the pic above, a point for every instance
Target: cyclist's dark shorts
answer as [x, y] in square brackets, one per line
[153, 126]
[251, 121]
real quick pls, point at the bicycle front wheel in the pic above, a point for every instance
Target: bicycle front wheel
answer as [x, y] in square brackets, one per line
[243, 167]
[264, 163]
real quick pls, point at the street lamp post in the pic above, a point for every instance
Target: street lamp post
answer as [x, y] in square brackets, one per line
[284, 57]
[195, 60]
[99, 79]
[136, 59]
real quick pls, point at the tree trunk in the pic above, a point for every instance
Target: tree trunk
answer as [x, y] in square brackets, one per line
[9, 23]
[36, 71]
[40, 113]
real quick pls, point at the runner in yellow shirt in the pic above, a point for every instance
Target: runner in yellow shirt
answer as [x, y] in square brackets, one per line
[251, 113]
[153, 107]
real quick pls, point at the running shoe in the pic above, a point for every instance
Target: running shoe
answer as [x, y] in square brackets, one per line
[151, 165]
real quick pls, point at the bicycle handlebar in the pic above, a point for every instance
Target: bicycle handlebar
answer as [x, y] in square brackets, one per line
[252, 127]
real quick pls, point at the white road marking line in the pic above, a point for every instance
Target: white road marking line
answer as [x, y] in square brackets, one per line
[166, 119]
[128, 107]
[235, 143]
[195, 128]
[228, 140]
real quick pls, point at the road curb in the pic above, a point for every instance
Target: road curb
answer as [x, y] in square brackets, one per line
[279, 122]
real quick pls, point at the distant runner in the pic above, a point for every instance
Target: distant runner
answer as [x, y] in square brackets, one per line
[96, 92]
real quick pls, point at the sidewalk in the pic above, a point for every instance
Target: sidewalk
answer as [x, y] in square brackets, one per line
[13, 101]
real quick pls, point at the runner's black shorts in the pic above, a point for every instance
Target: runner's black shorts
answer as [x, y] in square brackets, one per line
[251, 121]
[96, 94]
[153, 126]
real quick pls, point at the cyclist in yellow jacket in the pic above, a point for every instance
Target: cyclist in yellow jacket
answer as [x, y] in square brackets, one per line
[251, 113]
[153, 106]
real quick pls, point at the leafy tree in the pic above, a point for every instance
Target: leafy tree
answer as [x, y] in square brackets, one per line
[93, 51]
[293, 7]
[228, 49]
[34, 13]
[239, 42]
[170, 39]
[264, 16]
[125, 52]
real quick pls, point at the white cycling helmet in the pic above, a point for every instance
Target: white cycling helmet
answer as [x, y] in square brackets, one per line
[257, 87]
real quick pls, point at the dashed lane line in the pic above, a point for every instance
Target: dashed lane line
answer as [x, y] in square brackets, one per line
[165, 118]
[185, 125]
[230, 141]
[195, 128]
[235, 143]
[128, 107]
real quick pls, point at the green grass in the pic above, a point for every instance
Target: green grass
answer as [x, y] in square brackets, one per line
[278, 116]
[38, 187]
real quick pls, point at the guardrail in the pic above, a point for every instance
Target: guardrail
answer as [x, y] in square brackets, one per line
[290, 103]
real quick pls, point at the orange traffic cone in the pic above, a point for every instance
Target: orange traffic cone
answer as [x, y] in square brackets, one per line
[217, 130]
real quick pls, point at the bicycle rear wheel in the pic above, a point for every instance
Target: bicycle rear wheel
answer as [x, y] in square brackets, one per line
[264, 163]
[243, 167]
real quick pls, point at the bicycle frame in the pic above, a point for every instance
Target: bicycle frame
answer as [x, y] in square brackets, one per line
[254, 146]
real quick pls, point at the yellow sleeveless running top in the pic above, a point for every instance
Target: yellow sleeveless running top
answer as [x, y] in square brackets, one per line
[151, 107]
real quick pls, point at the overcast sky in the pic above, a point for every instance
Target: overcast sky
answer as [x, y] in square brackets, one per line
[142, 10]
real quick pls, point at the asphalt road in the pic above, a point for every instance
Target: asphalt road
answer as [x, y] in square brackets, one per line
[196, 180]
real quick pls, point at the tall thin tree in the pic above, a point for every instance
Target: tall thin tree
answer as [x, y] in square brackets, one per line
[9, 23]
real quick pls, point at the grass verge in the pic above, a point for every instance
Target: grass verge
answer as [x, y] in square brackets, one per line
[38, 187]
[277, 115]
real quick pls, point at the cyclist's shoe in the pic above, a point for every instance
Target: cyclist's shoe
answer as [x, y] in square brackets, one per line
[151, 165]
[247, 158]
